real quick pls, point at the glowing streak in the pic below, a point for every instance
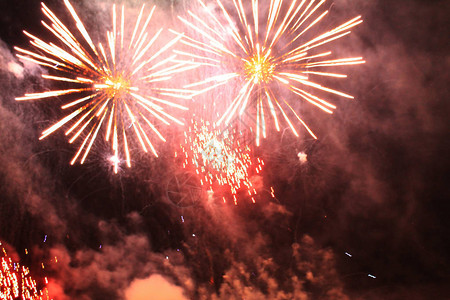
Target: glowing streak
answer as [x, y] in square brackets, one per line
[109, 85]
[256, 61]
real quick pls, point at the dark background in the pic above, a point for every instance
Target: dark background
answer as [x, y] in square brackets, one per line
[374, 185]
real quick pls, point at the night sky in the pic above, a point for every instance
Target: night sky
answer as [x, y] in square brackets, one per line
[364, 217]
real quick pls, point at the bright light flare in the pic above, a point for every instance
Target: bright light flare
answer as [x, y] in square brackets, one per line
[265, 52]
[116, 91]
[220, 159]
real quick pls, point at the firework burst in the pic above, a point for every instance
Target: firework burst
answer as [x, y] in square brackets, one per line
[220, 159]
[16, 281]
[266, 52]
[116, 88]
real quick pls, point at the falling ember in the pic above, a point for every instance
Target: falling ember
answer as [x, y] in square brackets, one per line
[261, 59]
[16, 281]
[115, 90]
[219, 159]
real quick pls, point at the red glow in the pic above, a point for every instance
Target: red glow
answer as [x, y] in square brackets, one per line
[220, 159]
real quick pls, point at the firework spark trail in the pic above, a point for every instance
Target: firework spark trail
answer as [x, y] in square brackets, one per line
[16, 282]
[219, 158]
[262, 59]
[115, 87]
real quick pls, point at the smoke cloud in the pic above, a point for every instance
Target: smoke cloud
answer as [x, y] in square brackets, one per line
[156, 287]
[368, 198]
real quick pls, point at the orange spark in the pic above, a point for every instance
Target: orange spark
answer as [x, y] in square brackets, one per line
[263, 58]
[116, 89]
[16, 281]
[219, 158]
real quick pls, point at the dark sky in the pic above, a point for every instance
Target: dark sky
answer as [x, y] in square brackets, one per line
[372, 198]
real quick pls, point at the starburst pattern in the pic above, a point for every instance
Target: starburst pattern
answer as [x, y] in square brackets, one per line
[117, 89]
[263, 53]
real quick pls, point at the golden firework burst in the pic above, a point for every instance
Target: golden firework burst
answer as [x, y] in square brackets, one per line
[117, 89]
